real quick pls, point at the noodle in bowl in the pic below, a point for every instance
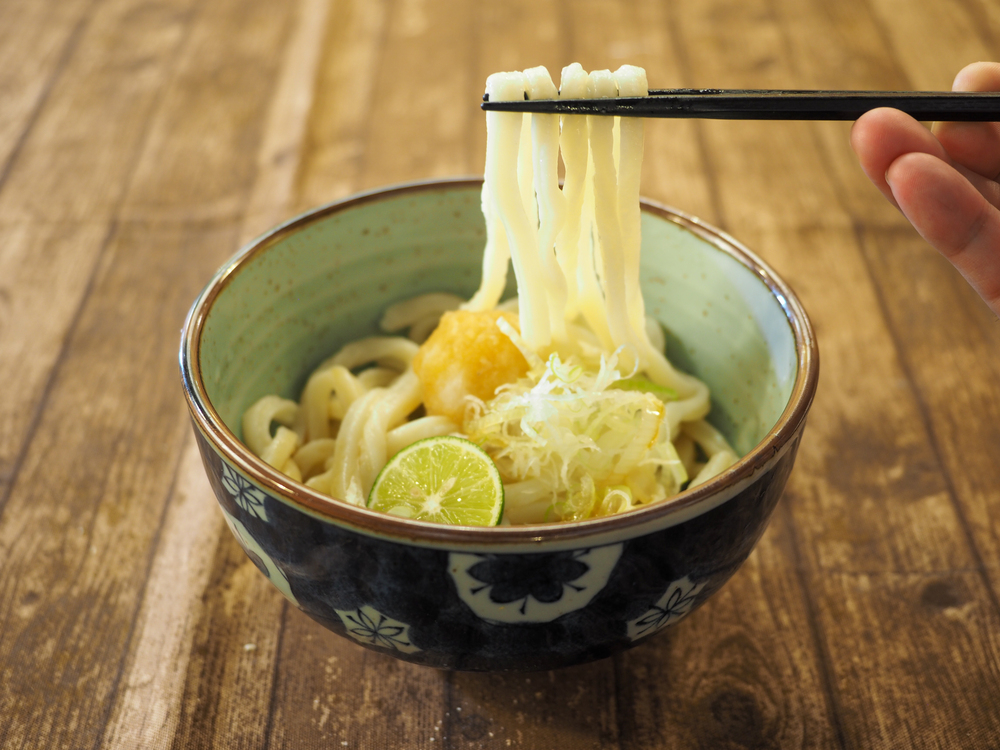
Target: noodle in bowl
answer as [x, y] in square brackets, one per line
[499, 598]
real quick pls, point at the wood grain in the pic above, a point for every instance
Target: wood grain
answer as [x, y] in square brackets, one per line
[419, 36]
[76, 533]
[280, 157]
[160, 700]
[147, 705]
[57, 206]
[345, 89]
[743, 671]
[142, 142]
[37, 40]
[872, 504]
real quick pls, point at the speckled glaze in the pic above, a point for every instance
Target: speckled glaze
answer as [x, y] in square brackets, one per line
[510, 598]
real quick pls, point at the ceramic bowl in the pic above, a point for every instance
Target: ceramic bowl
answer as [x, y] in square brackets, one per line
[503, 598]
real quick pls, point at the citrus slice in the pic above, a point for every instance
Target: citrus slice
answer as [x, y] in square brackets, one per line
[445, 479]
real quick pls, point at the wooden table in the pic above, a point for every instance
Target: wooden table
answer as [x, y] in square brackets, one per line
[142, 142]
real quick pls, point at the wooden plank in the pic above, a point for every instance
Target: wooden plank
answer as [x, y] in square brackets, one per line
[985, 16]
[854, 56]
[868, 482]
[57, 204]
[949, 340]
[943, 330]
[86, 507]
[76, 164]
[224, 620]
[930, 683]
[944, 334]
[331, 692]
[37, 40]
[44, 271]
[234, 646]
[573, 707]
[344, 93]
[76, 531]
[420, 114]
[870, 497]
[147, 705]
[742, 671]
[934, 44]
[174, 616]
[213, 110]
[280, 156]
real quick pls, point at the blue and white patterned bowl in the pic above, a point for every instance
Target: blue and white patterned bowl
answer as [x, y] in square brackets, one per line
[504, 598]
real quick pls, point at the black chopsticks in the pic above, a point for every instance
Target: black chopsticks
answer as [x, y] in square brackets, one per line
[770, 104]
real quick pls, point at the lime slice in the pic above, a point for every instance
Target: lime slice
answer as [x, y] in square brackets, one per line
[443, 480]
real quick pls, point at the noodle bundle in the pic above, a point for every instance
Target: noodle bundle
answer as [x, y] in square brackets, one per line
[567, 386]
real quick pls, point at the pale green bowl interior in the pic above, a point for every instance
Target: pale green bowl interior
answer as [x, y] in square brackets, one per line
[291, 306]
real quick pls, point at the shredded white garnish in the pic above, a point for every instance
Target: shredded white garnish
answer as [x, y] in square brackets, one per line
[593, 447]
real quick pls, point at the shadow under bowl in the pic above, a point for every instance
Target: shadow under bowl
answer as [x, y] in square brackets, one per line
[501, 598]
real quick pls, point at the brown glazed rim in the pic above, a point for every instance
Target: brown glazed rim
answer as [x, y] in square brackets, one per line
[381, 524]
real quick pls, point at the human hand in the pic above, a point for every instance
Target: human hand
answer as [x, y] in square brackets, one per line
[943, 181]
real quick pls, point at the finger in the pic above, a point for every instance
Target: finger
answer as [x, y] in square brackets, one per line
[974, 145]
[881, 136]
[953, 216]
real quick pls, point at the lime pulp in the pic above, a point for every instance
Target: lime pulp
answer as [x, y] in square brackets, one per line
[446, 480]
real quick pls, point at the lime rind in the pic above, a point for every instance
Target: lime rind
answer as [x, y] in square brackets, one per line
[447, 480]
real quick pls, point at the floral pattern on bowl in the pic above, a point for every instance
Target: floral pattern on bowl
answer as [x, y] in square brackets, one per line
[531, 588]
[244, 494]
[370, 627]
[676, 602]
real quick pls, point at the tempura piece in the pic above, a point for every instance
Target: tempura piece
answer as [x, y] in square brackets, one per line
[468, 355]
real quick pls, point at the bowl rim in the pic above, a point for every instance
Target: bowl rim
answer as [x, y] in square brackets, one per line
[224, 441]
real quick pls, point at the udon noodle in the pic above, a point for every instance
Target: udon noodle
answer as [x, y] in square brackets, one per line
[567, 386]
